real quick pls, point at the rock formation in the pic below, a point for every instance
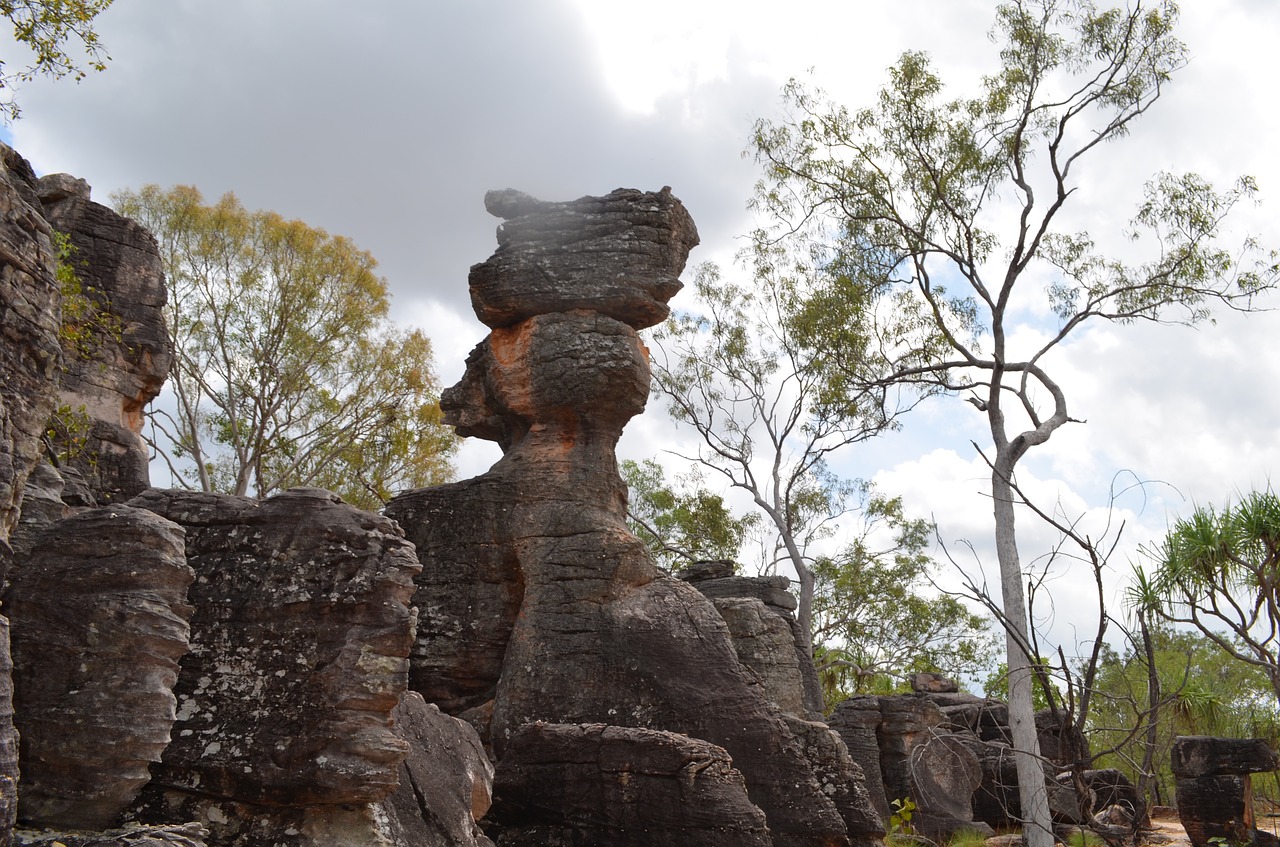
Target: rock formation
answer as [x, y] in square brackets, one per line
[1214, 791]
[578, 627]
[99, 616]
[30, 356]
[119, 269]
[299, 644]
[446, 782]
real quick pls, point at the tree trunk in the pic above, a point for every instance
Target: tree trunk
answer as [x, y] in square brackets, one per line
[1036, 822]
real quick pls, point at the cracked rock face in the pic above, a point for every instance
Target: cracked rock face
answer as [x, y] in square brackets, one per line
[100, 621]
[585, 629]
[299, 646]
[119, 268]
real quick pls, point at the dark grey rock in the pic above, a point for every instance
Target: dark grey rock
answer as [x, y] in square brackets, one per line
[624, 787]
[620, 255]
[299, 651]
[446, 783]
[100, 621]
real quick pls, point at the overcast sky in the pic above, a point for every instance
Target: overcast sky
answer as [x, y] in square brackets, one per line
[388, 121]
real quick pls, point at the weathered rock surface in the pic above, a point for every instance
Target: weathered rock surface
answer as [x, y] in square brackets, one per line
[299, 647]
[855, 720]
[1213, 787]
[791, 682]
[765, 644]
[840, 778]
[120, 271]
[30, 358]
[620, 255]
[100, 621]
[624, 787]
[136, 835]
[30, 318]
[599, 635]
[446, 783]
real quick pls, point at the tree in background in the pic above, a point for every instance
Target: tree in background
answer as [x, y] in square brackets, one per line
[684, 524]
[1201, 695]
[46, 27]
[287, 371]
[946, 211]
[1219, 571]
[762, 406]
[878, 617]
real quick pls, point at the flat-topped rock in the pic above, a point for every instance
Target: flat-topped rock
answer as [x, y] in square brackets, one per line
[619, 255]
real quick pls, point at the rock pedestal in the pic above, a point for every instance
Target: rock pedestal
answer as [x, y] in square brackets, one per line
[584, 629]
[1214, 794]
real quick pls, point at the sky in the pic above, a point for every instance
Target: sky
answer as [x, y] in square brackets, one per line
[387, 122]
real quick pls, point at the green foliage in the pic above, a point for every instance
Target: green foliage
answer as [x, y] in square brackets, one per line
[1201, 695]
[684, 524]
[765, 407]
[997, 685]
[67, 434]
[877, 616]
[46, 27]
[1217, 571]
[288, 371]
[934, 214]
[904, 809]
[84, 322]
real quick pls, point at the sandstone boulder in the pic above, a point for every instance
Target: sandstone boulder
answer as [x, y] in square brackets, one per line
[587, 630]
[100, 622]
[625, 787]
[299, 646]
[446, 783]
[620, 255]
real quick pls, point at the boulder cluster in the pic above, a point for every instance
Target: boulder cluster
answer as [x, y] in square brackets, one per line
[496, 661]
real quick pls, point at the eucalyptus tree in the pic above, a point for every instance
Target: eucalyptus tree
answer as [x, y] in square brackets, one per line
[946, 210]
[48, 30]
[763, 407]
[287, 371]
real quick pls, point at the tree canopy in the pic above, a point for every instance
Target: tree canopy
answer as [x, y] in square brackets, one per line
[1219, 571]
[47, 28]
[945, 210]
[287, 370]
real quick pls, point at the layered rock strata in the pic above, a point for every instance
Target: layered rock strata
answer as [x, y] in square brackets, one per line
[100, 621]
[129, 351]
[594, 783]
[1214, 788]
[583, 627]
[760, 613]
[446, 782]
[30, 319]
[299, 646]
[30, 358]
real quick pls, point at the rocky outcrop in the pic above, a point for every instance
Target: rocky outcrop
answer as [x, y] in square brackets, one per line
[1214, 790]
[30, 357]
[128, 349]
[30, 318]
[620, 255]
[625, 787]
[100, 621]
[760, 613]
[446, 783]
[299, 643]
[586, 630]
